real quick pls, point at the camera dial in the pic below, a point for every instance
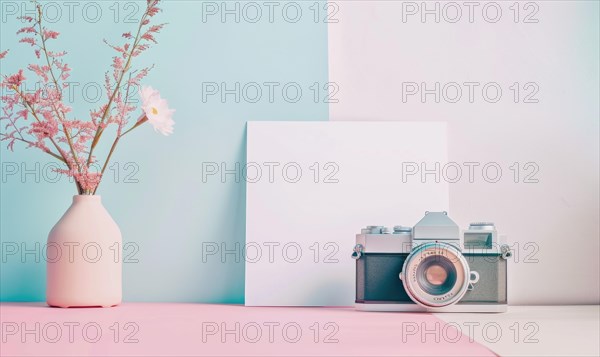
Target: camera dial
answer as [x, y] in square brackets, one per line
[402, 229]
[482, 225]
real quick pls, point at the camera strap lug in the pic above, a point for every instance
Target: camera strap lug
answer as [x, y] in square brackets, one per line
[357, 252]
[505, 250]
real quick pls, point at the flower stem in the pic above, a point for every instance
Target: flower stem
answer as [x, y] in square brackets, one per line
[141, 121]
[99, 130]
[112, 149]
[63, 118]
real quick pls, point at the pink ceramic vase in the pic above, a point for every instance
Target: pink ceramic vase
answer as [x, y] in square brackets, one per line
[84, 257]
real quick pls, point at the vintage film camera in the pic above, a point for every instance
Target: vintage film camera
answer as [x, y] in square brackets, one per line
[431, 267]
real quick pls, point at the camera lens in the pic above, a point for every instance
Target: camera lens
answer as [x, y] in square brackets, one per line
[435, 275]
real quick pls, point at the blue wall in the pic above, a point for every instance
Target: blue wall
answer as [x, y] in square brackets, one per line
[169, 212]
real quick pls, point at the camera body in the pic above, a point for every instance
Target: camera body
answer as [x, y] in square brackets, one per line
[431, 267]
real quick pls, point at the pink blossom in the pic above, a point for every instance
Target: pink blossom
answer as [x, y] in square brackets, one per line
[3, 54]
[147, 36]
[16, 79]
[135, 81]
[153, 11]
[56, 54]
[42, 72]
[48, 115]
[26, 18]
[64, 69]
[11, 144]
[49, 34]
[29, 40]
[88, 180]
[118, 67]
[156, 28]
[116, 48]
[27, 29]
[44, 129]
[140, 48]
[24, 113]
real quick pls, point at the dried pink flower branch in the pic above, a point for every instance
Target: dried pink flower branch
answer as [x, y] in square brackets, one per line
[70, 140]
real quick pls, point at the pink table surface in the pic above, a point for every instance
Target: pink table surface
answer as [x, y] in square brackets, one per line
[149, 329]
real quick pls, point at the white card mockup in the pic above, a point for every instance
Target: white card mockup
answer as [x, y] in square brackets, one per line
[312, 186]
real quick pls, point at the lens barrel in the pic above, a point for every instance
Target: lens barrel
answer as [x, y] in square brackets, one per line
[435, 274]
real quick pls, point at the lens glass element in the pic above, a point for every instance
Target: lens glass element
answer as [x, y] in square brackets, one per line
[436, 275]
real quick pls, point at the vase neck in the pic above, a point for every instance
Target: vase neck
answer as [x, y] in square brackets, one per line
[87, 199]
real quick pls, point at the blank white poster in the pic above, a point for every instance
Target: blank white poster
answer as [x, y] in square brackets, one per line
[312, 186]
